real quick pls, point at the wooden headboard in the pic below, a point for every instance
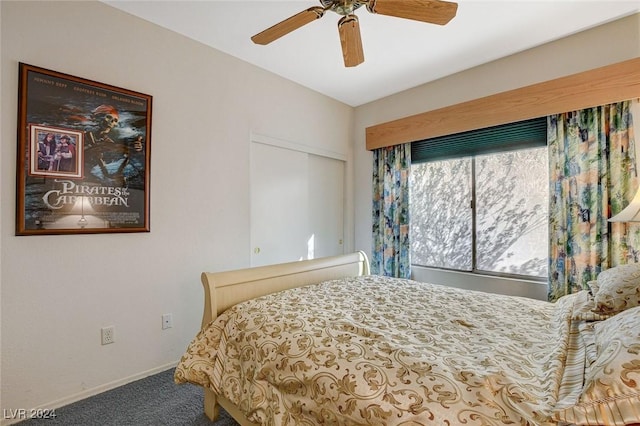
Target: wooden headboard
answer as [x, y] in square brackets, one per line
[225, 289]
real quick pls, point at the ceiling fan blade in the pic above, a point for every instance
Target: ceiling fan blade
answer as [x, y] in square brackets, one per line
[351, 41]
[431, 11]
[290, 24]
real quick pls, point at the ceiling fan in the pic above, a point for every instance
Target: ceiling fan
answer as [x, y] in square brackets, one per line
[430, 11]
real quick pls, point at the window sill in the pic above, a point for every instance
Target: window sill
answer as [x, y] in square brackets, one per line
[486, 283]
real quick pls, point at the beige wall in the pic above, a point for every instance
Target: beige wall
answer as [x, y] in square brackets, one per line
[613, 42]
[58, 291]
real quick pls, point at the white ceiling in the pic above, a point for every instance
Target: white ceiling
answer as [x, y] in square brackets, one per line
[399, 53]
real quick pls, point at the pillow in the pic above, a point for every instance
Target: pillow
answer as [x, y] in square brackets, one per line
[619, 289]
[583, 308]
[611, 391]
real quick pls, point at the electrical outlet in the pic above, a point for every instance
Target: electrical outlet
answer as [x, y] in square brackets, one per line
[167, 321]
[108, 335]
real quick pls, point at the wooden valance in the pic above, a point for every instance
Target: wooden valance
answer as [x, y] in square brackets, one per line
[600, 86]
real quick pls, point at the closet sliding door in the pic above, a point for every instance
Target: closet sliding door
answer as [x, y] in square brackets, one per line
[297, 203]
[326, 205]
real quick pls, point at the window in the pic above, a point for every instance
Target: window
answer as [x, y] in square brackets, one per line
[512, 191]
[441, 214]
[485, 213]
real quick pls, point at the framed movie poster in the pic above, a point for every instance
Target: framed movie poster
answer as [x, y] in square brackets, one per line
[83, 156]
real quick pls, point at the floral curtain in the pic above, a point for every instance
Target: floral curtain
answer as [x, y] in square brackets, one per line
[592, 177]
[391, 246]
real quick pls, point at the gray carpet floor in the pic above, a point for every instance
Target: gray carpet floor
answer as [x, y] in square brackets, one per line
[154, 400]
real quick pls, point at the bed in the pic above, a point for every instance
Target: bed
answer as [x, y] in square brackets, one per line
[324, 342]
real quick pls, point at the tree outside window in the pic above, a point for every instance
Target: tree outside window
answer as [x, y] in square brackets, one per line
[510, 210]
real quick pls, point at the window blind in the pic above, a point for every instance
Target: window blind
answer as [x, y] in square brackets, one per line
[505, 137]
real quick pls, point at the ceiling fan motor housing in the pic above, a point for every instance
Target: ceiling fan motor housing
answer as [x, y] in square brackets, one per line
[342, 7]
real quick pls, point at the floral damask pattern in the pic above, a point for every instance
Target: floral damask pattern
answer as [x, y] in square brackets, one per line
[384, 351]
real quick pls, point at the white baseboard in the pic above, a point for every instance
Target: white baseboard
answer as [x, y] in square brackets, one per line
[91, 392]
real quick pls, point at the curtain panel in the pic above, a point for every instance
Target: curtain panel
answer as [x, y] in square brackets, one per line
[593, 175]
[391, 244]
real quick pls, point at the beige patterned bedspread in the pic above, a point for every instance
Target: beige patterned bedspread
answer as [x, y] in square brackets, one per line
[382, 351]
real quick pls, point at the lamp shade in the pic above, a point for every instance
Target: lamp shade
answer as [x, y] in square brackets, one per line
[631, 213]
